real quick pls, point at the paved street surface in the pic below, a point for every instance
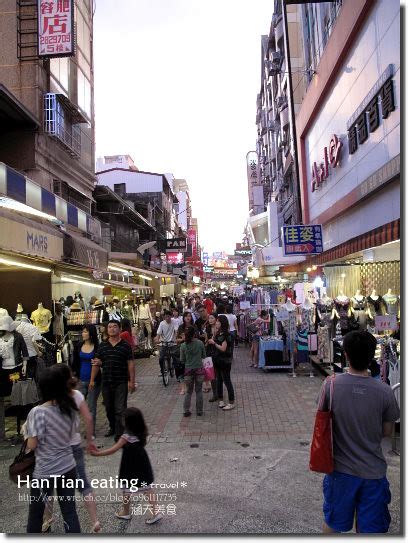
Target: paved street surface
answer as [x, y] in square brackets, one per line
[246, 470]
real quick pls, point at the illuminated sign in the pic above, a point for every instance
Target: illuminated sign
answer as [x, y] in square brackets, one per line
[331, 157]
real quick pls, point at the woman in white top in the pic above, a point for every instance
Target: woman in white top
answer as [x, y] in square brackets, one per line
[83, 484]
[233, 324]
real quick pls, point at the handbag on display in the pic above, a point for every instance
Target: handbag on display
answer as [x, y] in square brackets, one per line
[321, 449]
[208, 366]
[23, 464]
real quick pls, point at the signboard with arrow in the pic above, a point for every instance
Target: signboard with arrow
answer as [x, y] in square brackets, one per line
[301, 239]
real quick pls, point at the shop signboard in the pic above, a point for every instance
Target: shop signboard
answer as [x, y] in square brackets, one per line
[243, 252]
[83, 251]
[302, 239]
[55, 22]
[245, 304]
[175, 258]
[191, 233]
[331, 157]
[385, 322]
[175, 245]
[27, 238]
[208, 269]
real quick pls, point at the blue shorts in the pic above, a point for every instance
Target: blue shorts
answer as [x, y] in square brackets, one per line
[346, 495]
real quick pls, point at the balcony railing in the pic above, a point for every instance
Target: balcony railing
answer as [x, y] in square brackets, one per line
[57, 123]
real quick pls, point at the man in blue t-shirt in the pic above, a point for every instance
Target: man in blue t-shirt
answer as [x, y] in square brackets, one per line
[364, 412]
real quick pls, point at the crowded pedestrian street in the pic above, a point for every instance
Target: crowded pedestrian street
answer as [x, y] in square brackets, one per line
[246, 471]
[201, 291]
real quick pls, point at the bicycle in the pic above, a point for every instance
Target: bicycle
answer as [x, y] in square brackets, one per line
[167, 368]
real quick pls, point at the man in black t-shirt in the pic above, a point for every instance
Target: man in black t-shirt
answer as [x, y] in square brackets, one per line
[202, 322]
[118, 377]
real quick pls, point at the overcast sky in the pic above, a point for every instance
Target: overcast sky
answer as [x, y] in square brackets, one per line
[175, 87]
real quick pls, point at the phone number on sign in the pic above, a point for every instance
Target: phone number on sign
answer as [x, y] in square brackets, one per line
[157, 497]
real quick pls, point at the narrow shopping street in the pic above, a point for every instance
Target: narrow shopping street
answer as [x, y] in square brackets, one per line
[246, 470]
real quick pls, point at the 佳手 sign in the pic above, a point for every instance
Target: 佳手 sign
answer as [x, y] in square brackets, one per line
[302, 239]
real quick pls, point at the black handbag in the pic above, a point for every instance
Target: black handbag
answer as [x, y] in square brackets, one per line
[23, 464]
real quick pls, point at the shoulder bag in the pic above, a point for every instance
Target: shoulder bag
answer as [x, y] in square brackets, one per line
[321, 449]
[23, 464]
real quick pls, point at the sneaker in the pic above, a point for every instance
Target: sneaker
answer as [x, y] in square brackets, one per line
[221, 405]
[187, 414]
[155, 519]
[228, 407]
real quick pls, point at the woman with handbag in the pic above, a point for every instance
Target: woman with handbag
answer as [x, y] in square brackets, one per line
[180, 339]
[192, 354]
[50, 428]
[222, 341]
[211, 350]
[256, 329]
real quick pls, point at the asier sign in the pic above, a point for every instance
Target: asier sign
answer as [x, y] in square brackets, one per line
[331, 157]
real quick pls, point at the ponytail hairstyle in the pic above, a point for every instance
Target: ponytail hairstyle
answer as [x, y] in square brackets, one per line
[135, 424]
[189, 334]
[54, 387]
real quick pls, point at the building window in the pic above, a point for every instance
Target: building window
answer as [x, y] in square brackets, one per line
[84, 93]
[60, 73]
[58, 123]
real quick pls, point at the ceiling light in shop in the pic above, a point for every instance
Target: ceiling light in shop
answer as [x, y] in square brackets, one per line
[314, 268]
[343, 275]
[21, 265]
[308, 270]
[78, 281]
[145, 277]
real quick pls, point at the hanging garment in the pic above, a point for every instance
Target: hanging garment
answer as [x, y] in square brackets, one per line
[307, 319]
[302, 345]
[24, 392]
[359, 311]
[323, 337]
[290, 328]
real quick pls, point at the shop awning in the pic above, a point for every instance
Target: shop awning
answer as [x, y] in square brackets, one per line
[22, 235]
[139, 289]
[13, 115]
[79, 250]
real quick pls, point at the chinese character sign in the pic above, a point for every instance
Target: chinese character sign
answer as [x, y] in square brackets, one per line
[191, 233]
[302, 239]
[55, 28]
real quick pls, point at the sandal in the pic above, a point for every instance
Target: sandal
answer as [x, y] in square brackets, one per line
[96, 528]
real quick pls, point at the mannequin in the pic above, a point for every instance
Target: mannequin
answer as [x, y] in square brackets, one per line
[359, 307]
[79, 299]
[308, 315]
[144, 318]
[19, 308]
[392, 302]
[289, 305]
[341, 312]
[58, 325]
[113, 312]
[128, 311]
[41, 318]
[289, 326]
[375, 306]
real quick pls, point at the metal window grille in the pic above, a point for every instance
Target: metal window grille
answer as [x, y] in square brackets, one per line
[57, 123]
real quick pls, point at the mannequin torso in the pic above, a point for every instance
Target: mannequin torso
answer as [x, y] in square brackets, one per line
[41, 318]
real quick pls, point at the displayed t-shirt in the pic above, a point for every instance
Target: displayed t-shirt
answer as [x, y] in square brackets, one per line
[360, 405]
[231, 319]
[166, 331]
[41, 319]
[7, 352]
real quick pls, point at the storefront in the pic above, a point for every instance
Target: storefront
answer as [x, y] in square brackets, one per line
[29, 250]
[348, 130]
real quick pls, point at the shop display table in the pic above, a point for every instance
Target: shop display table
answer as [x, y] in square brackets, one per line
[271, 346]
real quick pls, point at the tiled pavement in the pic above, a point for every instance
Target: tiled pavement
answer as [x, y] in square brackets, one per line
[270, 406]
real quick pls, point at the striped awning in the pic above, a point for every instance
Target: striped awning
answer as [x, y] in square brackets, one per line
[379, 236]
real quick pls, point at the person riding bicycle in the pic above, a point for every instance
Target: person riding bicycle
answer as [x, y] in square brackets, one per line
[166, 334]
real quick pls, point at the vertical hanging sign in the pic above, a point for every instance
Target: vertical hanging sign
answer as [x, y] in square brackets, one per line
[55, 23]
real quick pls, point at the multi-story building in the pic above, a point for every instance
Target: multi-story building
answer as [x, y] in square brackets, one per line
[183, 208]
[57, 151]
[47, 150]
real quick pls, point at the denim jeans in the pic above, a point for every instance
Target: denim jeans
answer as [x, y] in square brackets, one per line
[91, 396]
[194, 379]
[83, 484]
[115, 400]
[223, 376]
[65, 499]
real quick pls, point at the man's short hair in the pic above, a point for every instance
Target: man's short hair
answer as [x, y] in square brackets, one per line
[167, 312]
[359, 347]
[113, 321]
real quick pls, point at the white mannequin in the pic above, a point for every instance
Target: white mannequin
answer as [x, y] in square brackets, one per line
[307, 304]
[389, 292]
[341, 297]
[358, 296]
[324, 297]
[289, 306]
[19, 309]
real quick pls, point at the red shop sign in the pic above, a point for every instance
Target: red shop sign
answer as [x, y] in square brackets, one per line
[331, 157]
